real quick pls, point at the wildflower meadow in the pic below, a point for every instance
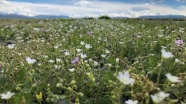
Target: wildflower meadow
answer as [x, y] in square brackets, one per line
[92, 61]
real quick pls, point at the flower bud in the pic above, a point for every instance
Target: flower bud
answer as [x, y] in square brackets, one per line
[115, 74]
[146, 96]
[61, 80]
[69, 89]
[39, 97]
[19, 85]
[73, 82]
[117, 60]
[80, 94]
[23, 100]
[48, 85]
[113, 97]
[87, 65]
[89, 68]
[34, 85]
[18, 88]
[110, 82]
[173, 85]
[173, 101]
[48, 100]
[59, 85]
[77, 101]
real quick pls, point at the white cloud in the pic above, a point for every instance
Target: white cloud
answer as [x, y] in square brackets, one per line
[89, 8]
[83, 2]
[181, 0]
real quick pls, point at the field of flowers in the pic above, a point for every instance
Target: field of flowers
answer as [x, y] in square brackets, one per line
[78, 61]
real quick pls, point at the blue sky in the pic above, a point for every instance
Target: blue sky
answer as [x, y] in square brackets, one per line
[94, 8]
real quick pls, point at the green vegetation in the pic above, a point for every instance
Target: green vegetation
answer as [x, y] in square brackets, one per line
[49, 61]
[104, 17]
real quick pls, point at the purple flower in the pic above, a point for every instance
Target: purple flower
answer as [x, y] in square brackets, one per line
[89, 32]
[180, 42]
[74, 61]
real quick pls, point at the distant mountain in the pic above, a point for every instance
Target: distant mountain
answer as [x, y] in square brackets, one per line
[51, 16]
[119, 17]
[163, 16]
[13, 15]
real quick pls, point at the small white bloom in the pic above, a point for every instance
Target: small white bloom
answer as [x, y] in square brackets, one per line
[117, 60]
[45, 56]
[10, 46]
[58, 60]
[125, 78]
[67, 53]
[83, 55]
[57, 66]
[103, 56]
[131, 102]
[177, 61]
[30, 61]
[78, 50]
[89, 59]
[39, 64]
[42, 40]
[95, 63]
[159, 97]
[121, 42]
[107, 51]
[109, 65]
[72, 70]
[36, 29]
[7, 96]
[166, 54]
[173, 79]
[161, 35]
[99, 38]
[87, 46]
[51, 61]
[86, 61]
[55, 47]
[82, 43]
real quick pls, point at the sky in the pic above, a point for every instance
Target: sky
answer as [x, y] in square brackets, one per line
[94, 8]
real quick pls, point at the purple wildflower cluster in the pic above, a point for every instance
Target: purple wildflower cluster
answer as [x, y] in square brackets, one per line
[180, 42]
[74, 61]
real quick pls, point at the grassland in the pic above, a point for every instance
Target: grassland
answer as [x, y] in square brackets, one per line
[64, 61]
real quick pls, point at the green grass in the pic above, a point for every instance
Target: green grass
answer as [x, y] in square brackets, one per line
[137, 44]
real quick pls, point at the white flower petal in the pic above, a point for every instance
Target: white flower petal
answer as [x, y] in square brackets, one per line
[166, 54]
[131, 102]
[72, 70]
[7, 96]
[125, 78]
[173, 79]
[10, 46]
[30, 61]
[159, 97]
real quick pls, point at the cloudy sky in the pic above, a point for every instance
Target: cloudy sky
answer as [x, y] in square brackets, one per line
[94, 8]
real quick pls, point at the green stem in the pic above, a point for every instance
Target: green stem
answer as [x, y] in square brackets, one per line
[158, 78]
[159, 74]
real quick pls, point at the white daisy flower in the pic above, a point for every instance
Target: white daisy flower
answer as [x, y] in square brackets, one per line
[159, 97]
[166, 54]
[125, 78]
[7, 96]
[72, 70]
[30, 61]
[173, 79]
